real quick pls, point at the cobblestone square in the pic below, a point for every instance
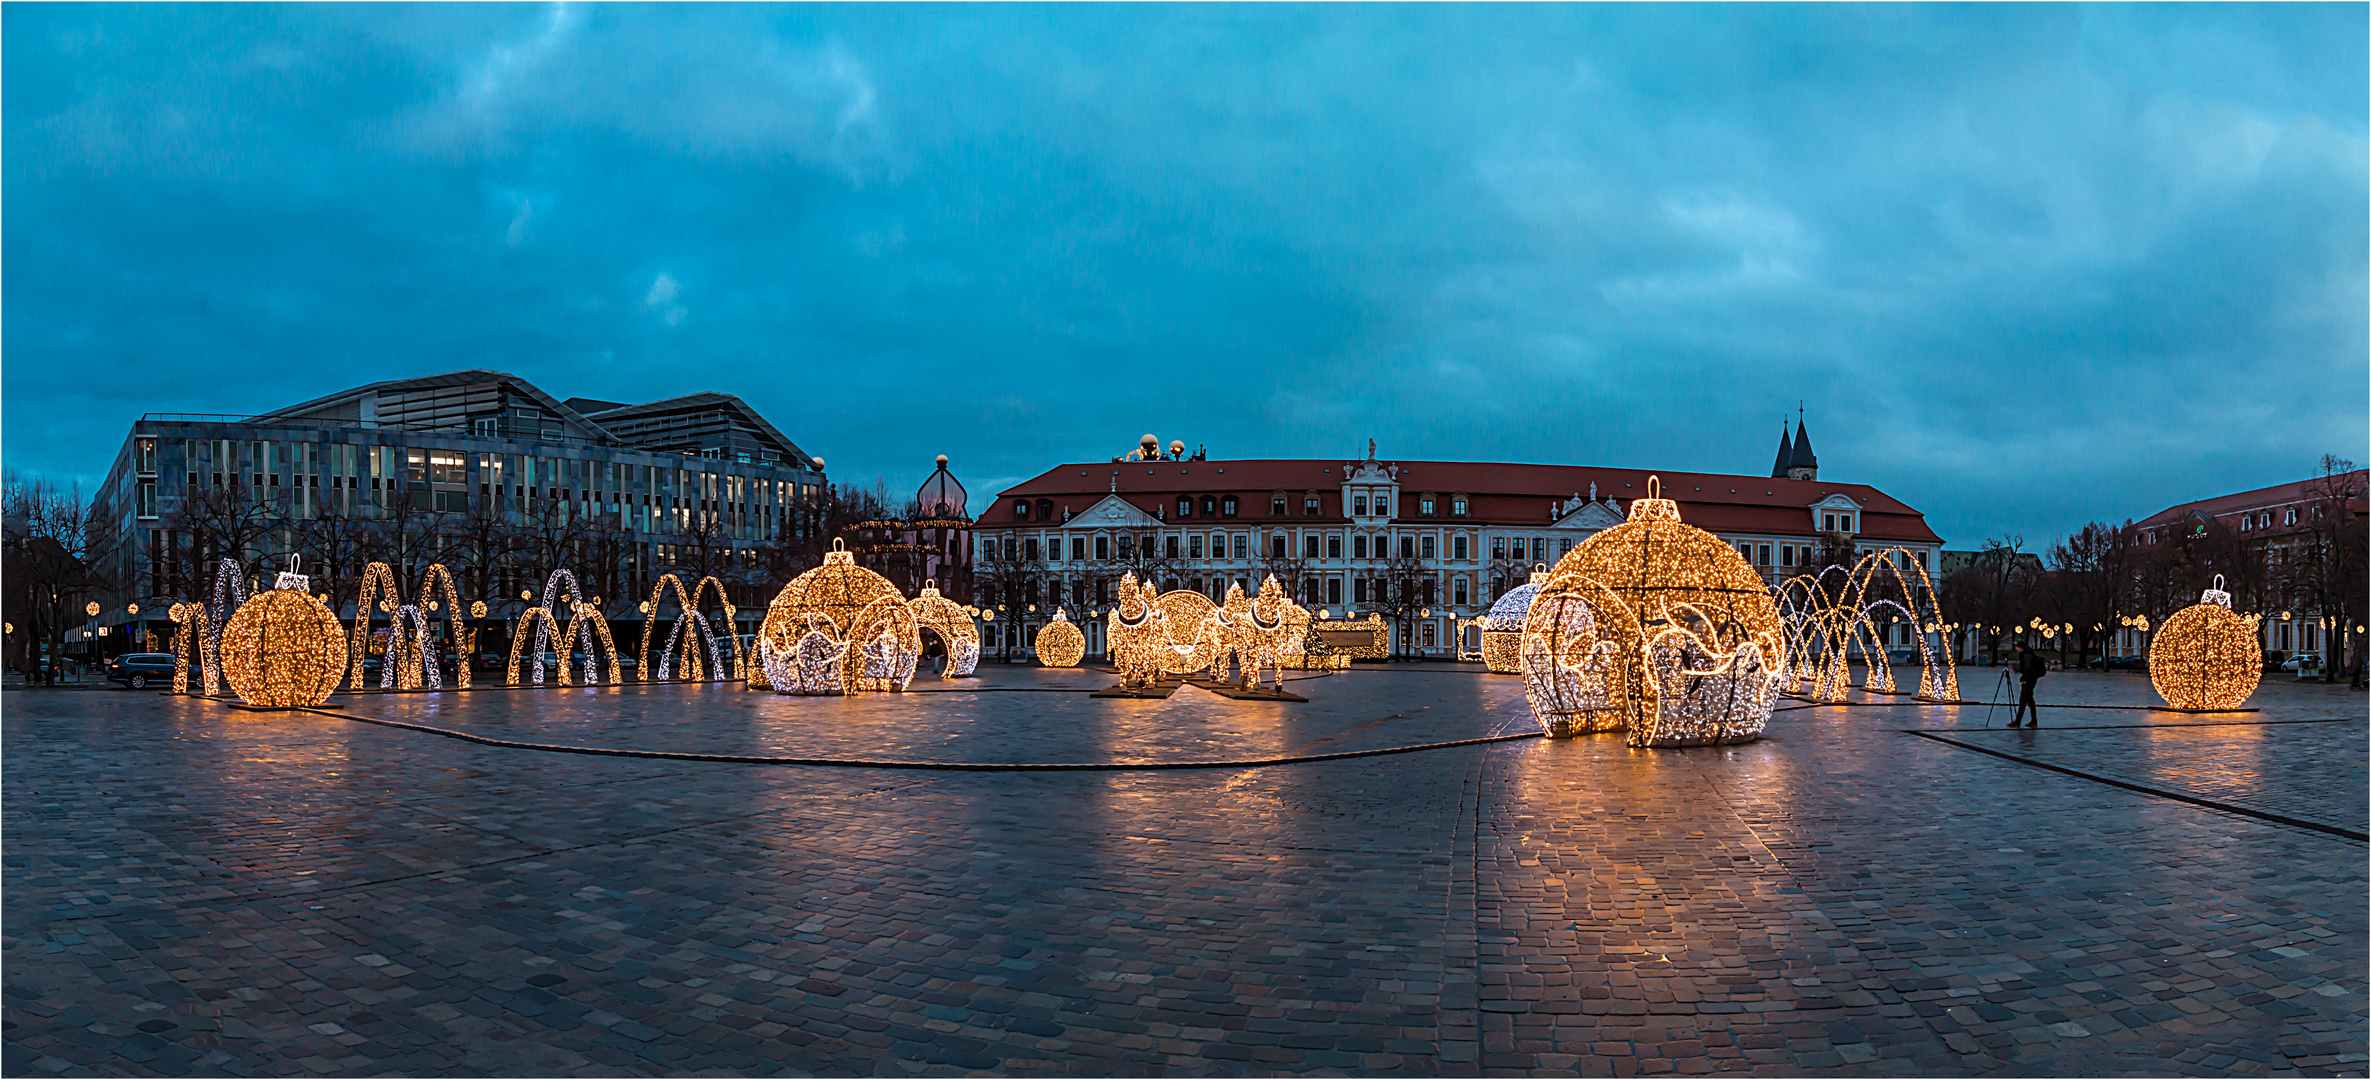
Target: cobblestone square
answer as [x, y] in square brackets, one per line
[1880, 888]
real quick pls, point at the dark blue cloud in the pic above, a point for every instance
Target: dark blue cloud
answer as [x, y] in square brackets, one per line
[2027, 265]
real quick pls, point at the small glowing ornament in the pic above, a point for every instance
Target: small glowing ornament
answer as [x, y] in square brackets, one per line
[1060, 644]
[477, 609]
[283, 649]
[2206, 656]
[1502, 625]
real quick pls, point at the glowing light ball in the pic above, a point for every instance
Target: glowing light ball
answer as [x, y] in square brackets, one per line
[2206, 656]
[840, 595]
[1060, 644]
[283, 649]
[1502, 625]
[1649, 576]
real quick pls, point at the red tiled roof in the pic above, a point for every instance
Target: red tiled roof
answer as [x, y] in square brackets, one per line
[2278, 495]
[1501, 493]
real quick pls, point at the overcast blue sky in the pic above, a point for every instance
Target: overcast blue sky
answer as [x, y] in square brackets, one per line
[2025, 265]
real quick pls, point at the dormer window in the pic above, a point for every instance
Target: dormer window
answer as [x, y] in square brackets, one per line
[1209, 506]
[2292, 517]
[1312, 505]
[1382, 506]
[1457, 506]
[1227, 506]
[1185, 506]
[2246, 523]
[1045, 509]
[1276, 505]
[1425, 506]
[1020, 509]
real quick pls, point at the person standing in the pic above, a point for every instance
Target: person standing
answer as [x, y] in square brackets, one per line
[2030, 669]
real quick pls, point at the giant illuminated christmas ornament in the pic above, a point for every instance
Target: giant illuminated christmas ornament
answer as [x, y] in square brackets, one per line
[952, 623]
[1060, 644]
[848, 608]
[283, 649]
[2206, 656]
[1502, 625]
[1644, 607]
[1838, 614]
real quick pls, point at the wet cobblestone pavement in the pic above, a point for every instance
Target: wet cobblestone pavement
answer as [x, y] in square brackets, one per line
[193, 889]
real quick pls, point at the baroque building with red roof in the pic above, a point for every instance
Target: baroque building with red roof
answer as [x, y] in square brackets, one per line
[1425, 543]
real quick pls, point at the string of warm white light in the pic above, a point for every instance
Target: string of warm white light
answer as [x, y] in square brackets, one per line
[2207, 656]
[953, 625]
[850, 607]
[1825, 626]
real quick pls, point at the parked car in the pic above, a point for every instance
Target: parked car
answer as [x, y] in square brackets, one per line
[137, 670]
[2302, 664]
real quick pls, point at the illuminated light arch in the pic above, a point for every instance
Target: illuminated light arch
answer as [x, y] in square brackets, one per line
[189, 635]
[464, 638]
[230, 593]
[561, 591]
[953, 626]
[691, 630]
[1825, 625]
[377, 590]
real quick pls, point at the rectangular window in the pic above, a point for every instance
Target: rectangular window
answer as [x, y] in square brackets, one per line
[1170, 548]
[1358, 505]
[1846, 521]
[447, 467]
[146, 457]
[1786, 554]
[1428, 633]
[1127, 547]
[1461, 593]
[1827, 523]
[1567, 547]
[1333, 547]
[1358, 547]
[1424, 506]
[1193, 547]
[1457, 507]
[1333, 590]
[1460, 546]
[1078, 548]
[1428, 546]
[1103, 548]
[146, 499]
[1276, 546]
[1382, 506]
[1227, 506]
[1054, 549]
[1312, 507]
[1029, 549]
[1407, 547]
[1358, 590]
[1498, 547]
[1242, 546]
[1539, 549]
[1276, 506]
[1309, 546]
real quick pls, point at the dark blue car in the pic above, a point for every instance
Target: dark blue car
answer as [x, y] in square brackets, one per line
[137, 670]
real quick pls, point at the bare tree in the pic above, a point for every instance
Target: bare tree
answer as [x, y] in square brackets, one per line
[1007, 580]
[1995, 591]
[1402, 588]
[2325, 568]
[46, 565]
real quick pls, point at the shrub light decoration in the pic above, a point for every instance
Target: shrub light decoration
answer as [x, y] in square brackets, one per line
[849, 607]
[283, 649]
[584, 622]
[1631, 587]
[1059, 643]
[2206, 656]
[952, 623]
[1831, 615]
[1502, 625]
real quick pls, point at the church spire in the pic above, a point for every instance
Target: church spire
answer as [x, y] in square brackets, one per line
[1786, 453]
[1803, 465]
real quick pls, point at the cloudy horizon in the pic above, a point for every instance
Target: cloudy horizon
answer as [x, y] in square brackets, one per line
[2023, 266]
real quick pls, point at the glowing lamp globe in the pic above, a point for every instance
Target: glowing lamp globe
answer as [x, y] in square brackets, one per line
[1502, 625]
[1060, 644]
[1659, 590]
[283, 649]
[2206, 656]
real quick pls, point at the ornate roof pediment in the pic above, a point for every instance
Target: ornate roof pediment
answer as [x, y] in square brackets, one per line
[1592, 516]
[1111, 511]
